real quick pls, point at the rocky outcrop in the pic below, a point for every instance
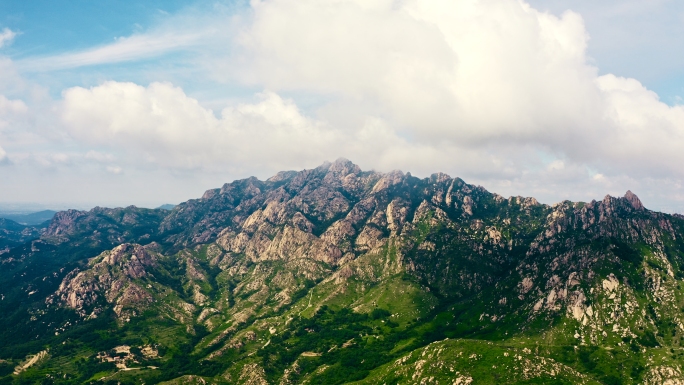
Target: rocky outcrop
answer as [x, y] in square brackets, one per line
[104, 227]
[308, 200]
[634, 200]
[64, 222]
[113, 278]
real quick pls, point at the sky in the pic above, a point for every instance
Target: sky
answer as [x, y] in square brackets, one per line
[114, 103]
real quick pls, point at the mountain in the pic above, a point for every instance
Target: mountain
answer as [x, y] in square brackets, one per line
[167, 206]
[337, 275]
[13, 234]
[36, 218]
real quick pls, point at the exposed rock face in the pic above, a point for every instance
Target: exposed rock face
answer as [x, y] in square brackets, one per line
[634, 200]
[252, 374]
[103, 226]
[336, 212]
[308, 200]
[64, 222]
[109, 278]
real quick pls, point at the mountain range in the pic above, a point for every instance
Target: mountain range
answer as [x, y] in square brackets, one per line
[336, 275]
[35, 218]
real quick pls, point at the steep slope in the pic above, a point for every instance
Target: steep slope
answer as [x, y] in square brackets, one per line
[31, 271]
[335, 275]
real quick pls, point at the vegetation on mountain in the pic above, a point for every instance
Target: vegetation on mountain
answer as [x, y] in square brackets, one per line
[13, 234]
[335, 275]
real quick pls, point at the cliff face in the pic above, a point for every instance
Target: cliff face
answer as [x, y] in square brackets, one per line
[333, 270]
[110, 278]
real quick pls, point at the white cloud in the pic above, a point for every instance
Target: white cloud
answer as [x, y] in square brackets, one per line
[490, 90]
[6, 37]
[3, 156]
[116, 170]
[61, 158]
[99, 156]
[468, 70]
[10, 112]
[646, 136]
[125, 49]
[473, 73]
[161, 125]
[8, 106]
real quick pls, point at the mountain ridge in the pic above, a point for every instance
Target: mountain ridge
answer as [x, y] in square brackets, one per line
[335, 274]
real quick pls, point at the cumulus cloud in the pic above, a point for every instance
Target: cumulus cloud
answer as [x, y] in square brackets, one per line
[466, 71]
[470, 72]
[11, 112]
[9, 107]
[161, 125]
[164, 126]
[6, 37]
[491, 90]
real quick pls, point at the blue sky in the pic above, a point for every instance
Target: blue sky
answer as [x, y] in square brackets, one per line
[50, 27]
[54, 27]
[120, 102]
[640, 41]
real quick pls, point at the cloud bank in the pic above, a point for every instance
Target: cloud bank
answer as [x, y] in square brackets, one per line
[491, 90]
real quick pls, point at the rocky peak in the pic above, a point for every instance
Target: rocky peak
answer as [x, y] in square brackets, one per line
[64, 222]
[211, 193]
[342, 173]
[388, 180]
[282, 176]
[439, 177]
[249, 186]
[344, 167]
[323, 167]
[634, 200]
[425, 244]
[133, 256]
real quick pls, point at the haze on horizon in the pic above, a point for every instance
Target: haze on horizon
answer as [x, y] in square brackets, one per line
[155, 103]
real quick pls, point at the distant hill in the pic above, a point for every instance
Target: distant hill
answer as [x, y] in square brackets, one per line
[10, 225]
[32, 218]
[13, 234]
[167, 206]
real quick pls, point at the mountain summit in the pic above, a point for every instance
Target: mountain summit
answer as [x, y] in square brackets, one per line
[334, 275]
